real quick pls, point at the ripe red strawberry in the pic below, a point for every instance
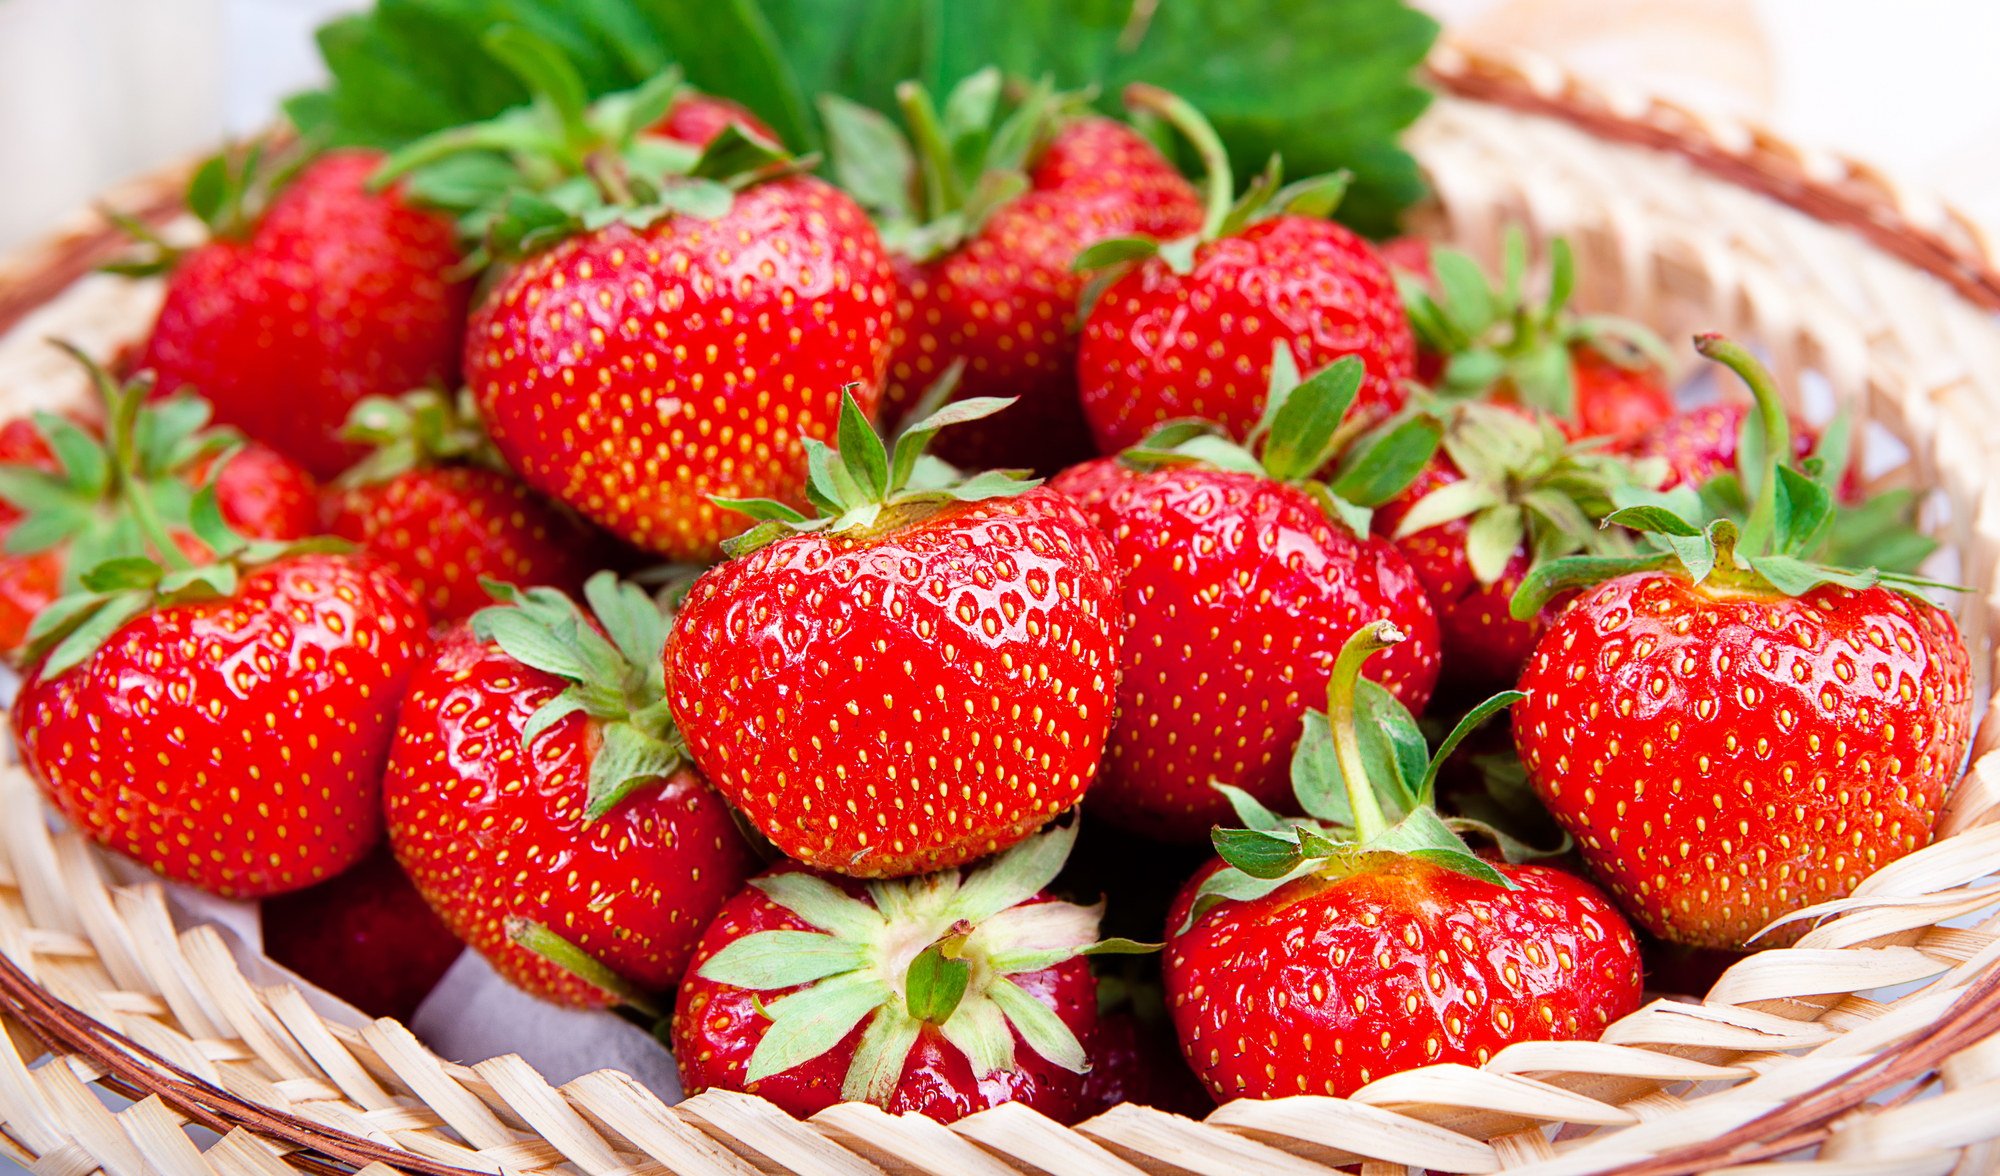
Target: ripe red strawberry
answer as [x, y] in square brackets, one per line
[918, 677]
[1731, 731]
[1135, 1057]
[1239, 590]
[668, 335]
[940, 995]
[1189, 330]
[334, 293]
[226, 727]
[536, 777]
[983, 262]
[1505, 493]
[436, 501]
[1313, 965]
[366, 936]
[70, 500]
[696, 119]
[1598, 375]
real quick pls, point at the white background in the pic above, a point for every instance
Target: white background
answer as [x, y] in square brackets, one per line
[94, 90]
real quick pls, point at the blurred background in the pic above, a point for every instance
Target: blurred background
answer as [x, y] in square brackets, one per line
[92, 91]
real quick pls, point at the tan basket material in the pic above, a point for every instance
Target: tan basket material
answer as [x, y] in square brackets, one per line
[97, 986]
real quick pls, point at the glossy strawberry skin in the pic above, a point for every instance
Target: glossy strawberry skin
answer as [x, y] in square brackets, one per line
[1239, 593]
[1005, 301]
[1484, 646]
[695, 119]
[901, 702]
[1160, 345]
[716, 1028]
[1723, 760]
[366, 936]
[262, 494]
[471, 816]
[1133, 1061]
[1616, 401]
[235, 745]
[1329, 983]
[634, 374]
[447, 527]
[338, 294]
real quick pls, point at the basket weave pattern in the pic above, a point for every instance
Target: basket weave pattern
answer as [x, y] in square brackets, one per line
[99, 985]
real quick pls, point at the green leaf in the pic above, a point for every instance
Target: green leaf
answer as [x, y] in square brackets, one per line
[1469, 372]
[1249, 809]
[935, 984]
[1562, 275]
[119, 575]
[627, 760]
[1392, 747]
[979, 1031]
[30, 491]
[1427, 791]
[1805, 513]
[1658, 520]
[1424, 835]
[80, 456]
[1377, 470]
[1317, 781]
[824, 905]
[1015, 875]
[861, 450]
[1038, 1025]
[1256, 852]
[1492, 539]
[911, 442]
[39, 532]
[1454, 500]
[992, 484]
[545, 70]
[1314, 196]
[733, 153]
[1302, 432]
[761, 509]
[1114, 251]
[968, 118]
[871, 157]
[1795, 577]
[545, 943]
[812, 1021]
[831, 489]
[1834, 451]
[1463, 293]
[208, 188]
[1545, 379]
[782, 959]
[732, 48]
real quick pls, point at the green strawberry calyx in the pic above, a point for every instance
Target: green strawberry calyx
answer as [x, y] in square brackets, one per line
[1368, 784]
[1489, 336]
[421, 428]
[614, 668]
[1777, 549]
[934, 952]
[73, 627]
[1226, 213]
[865, 484]
[558, 166]
[1526, 484]
[1302, 428]
[228, 192]
[963, 167]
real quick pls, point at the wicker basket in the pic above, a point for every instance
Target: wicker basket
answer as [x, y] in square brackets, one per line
[1682, 222]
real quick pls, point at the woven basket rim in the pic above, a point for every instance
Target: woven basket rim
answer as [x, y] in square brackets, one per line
[1927, 236]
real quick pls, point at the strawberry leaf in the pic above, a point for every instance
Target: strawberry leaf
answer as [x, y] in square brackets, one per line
[861, 450]
[934, 985]
[1258, 853]
[568, 956]
[871, 156]
[1382, 466]
[1554, 578]
[1427, 791]
[1317, 783]
[1114, 251]
[1423, 834]
[1495, 534]
[810, 1022]
[1249, 809]
[781, 959]
[1463, 294]
[1038, 1025]
[1393, 749]
[1302, 431]
[92, 629]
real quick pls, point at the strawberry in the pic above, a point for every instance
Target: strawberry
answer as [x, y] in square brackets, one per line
[943, 655]
[287, 317]
[1731, 730]
[366, 936]
[70, 500]
[536, 744]
[437, 503]
[676, 327]
[225, 725]
[696, 119]
[1242, 579]
[983, 257]
[1505, 493]
[1317, 956]
[1135, 1057]
[1188, 330]
[939, 995]
[1600, 376]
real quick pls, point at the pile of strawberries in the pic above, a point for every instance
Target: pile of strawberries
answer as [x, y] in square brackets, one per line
[553, 502]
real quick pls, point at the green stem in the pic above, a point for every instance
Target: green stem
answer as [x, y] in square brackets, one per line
[1763, 520]
[127, 484]
[942, 191]
[1370, 639]
[574, 960]
[1188, 121]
